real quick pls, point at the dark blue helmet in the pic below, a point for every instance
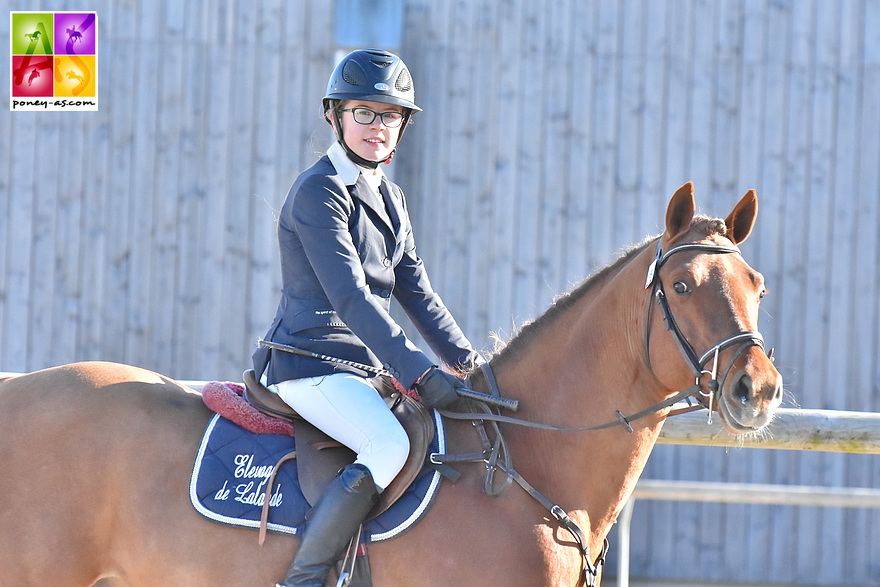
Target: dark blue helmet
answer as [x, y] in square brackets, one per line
[372, 75]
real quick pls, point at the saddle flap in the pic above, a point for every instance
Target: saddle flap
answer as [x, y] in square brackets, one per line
[416, 420]
[319, 459]
[262, 398]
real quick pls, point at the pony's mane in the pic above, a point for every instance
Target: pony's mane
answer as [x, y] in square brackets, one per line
[704, 225]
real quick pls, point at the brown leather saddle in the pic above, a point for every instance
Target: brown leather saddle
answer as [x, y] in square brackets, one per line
[320, 458]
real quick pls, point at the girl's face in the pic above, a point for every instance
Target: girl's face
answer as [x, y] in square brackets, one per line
[374, 141]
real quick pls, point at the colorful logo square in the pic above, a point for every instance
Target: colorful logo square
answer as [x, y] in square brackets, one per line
[32, 76]
[76, 33]
[54, 60]
[32, 33]
[73, 75]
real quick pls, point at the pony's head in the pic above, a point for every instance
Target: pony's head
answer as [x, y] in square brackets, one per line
[706, 297]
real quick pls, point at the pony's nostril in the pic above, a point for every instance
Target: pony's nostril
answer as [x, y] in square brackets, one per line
[742, 389]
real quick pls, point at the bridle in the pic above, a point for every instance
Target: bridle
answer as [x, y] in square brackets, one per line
[694, 362]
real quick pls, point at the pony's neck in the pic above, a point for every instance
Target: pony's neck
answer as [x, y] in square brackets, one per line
[576, 371]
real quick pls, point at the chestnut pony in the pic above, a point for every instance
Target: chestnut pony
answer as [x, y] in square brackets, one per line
[96, 457]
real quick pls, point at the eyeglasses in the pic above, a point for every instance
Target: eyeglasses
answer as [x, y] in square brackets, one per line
[390, 119]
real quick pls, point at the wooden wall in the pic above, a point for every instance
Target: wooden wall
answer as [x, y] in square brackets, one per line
[553, 134]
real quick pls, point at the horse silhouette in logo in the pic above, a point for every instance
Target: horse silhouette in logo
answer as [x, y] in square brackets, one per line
[34, 75]
[74, 35]
[72, 75]
[34, 37]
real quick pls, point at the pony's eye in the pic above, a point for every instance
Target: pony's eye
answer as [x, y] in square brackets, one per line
[681, 288]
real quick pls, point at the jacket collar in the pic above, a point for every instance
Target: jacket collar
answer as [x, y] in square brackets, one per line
[347, 169]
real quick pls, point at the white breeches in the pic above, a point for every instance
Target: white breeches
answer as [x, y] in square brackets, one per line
[349, 409]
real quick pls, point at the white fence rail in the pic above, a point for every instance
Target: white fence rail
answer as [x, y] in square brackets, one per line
[820, 430]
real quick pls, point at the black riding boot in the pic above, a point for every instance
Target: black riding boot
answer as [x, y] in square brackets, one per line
[332, 523]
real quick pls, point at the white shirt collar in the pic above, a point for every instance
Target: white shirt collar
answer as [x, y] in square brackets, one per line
[347, 169]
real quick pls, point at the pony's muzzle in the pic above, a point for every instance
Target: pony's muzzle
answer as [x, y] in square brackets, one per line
[747, 405]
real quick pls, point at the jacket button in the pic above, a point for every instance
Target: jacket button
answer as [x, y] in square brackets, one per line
[386, 262]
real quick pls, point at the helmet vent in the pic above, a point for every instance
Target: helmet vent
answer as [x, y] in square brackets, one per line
[404, 81]
[353, 74]
[383, 63]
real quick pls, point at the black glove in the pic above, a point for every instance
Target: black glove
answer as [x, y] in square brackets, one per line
[437, 388]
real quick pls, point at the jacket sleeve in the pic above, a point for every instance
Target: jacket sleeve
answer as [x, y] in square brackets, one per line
[320, 216]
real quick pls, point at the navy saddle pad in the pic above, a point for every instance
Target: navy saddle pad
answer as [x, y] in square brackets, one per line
[233, 466]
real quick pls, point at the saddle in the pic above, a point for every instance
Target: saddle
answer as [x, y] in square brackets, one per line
[320, 458]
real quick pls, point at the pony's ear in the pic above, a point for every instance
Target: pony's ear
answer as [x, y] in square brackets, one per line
[680, 211]
[741, 221]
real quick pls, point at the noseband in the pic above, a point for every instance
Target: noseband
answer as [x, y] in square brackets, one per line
[696, 363]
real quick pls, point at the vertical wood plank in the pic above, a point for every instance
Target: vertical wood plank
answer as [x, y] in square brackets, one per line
[48, 181]
[23, 158]
[652, 197]
[6, 146]
[528, 291]
[460, 121]
[702, 124]
[165, 253]
[866, 264]
[264, 196]
[825, 141]
[554, 158]
[187, 336]
[238, 176]
[578, 141]
[603, 152]
[146, 66]
[726, 108]
[121, 31]
[482, 250]
[212, 246]
[503, 317]
[630, 125]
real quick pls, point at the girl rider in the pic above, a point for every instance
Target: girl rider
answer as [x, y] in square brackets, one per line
[346, 247]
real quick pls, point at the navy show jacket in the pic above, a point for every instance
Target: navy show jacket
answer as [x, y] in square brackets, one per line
[343, 255]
